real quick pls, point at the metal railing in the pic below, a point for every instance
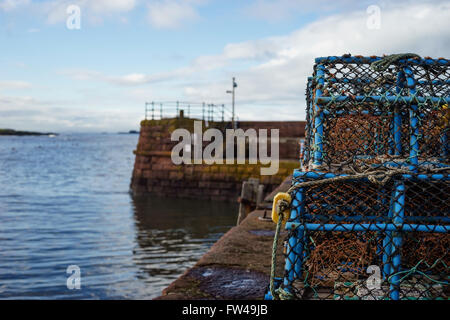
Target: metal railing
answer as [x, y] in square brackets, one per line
[195, 110]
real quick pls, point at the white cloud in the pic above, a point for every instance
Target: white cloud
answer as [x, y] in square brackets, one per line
[272, 72]
[67, 115]
[10, 5]
[81, 74]
[127, 79]
[160, 13]
[92, 10]
[281, 65]
[20, 64]
[169, 14]
[55, 10]
[278, 10]
[13, 84]
[111, 5]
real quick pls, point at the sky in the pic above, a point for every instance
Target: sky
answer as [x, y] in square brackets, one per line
[96, 78]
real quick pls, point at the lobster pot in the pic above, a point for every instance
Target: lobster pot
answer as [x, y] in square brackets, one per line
[359, 239]
[369, 216]
[360, 117]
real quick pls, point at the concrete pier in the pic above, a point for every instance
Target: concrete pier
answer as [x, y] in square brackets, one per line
[236, 267]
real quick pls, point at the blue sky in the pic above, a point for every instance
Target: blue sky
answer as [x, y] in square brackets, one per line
[127, 52]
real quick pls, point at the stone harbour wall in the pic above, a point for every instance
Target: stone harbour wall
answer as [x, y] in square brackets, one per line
[155, 173]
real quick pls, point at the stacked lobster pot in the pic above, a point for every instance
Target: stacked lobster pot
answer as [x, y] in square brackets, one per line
[369, 210]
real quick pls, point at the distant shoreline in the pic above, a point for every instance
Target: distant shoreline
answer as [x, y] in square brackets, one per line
[11, 132]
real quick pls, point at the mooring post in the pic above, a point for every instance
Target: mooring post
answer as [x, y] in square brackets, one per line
[247, 198]
[246, 194]
[260, 195]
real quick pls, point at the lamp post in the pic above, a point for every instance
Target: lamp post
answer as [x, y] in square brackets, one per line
[232, 91]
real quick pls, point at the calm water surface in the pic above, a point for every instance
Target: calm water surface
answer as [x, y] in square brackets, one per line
[65, 201]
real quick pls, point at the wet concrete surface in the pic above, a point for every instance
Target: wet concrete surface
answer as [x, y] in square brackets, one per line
[226, 283]
[236, 267]
[263, 233]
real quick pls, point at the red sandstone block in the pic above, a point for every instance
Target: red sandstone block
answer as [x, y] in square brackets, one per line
[241, 169]
[224, 168]
[141, 159]
[148, 174]
[171, 167]
[195, 184]
[176, 175]
[159, 174]
[189, 177]
[229, 193]
[198, 168]
[156, 128]
[157, 167]
[204, 184]
[220, 198]
[214, 169]
[184, 184]
[188, 169]
[206, 168]
[227, 178]
[264, 179]
[165, 183]
[249, 169]
[219, 176]
[145, 166]
[225, 185]
[167, 140]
